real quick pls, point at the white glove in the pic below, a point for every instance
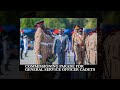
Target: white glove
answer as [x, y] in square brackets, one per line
[39, 56]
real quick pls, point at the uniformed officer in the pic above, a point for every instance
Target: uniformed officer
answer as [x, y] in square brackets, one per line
[50, 43]
[21, 47]
[25, 41]
[77, 45]
[81, 42]
[43, 42]
[93, 48]
[40, 44]
[94, 52]
[87, 54]
[73, 42]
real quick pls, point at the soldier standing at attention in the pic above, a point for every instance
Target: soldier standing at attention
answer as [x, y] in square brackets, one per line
[81, 44]
[95, 46]
[76, 42]
[73, 42]
[92, 44]
[40, 44]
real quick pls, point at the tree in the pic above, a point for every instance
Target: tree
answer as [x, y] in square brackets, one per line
[56, 23]
[90, 23]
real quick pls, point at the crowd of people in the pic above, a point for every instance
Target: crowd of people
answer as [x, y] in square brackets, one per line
[84, 46]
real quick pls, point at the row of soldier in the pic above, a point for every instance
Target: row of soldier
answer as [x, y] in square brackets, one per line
[84, 46]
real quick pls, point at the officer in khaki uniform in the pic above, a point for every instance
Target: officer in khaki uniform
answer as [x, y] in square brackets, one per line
[50, 43]
[41, 43]
[77, 44]
[93, 48]
[87, 54]
[73, 38]
[81, 42]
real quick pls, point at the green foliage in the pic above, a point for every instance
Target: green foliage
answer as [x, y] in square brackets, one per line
[55, 23]
[90, 22]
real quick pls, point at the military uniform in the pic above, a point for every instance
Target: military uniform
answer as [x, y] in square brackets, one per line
[87, 49]
[49, 46]
[73, 37]
[77, 44]
[92, 48]
[82, 48]
[41, 46]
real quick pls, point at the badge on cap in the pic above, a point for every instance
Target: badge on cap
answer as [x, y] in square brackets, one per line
[77, 27]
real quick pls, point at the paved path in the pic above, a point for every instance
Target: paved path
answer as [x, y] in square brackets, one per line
[31, 58]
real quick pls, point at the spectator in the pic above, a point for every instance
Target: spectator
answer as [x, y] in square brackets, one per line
[21, 47]
[25, 45]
